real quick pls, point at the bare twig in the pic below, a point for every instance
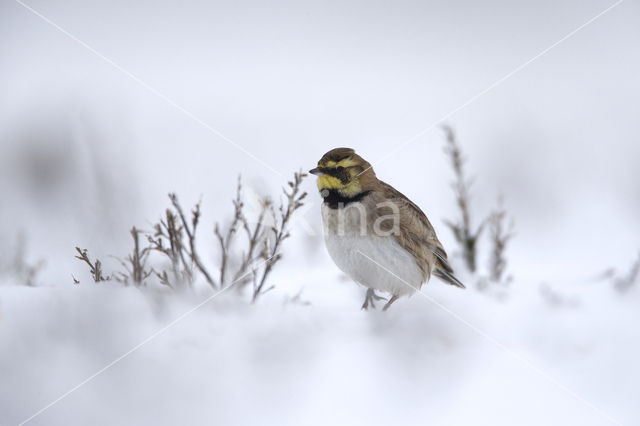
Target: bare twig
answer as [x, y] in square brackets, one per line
[135, 264]
[462, 229]
[174, 237]
[224, 241]
[294, 200]
[191, 235]
[255, 235]
[169, 230]
[500, 237]
[163, 278]
[94, 267]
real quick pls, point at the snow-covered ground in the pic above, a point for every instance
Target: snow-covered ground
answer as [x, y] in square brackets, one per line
[448, 358]
[87, 151]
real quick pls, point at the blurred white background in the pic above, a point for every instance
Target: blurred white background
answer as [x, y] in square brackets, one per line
[105, 108]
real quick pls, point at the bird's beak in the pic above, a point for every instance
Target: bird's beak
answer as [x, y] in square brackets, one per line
[316, 172]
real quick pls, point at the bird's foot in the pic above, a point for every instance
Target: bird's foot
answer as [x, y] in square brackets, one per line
[393, 299]
[370, 298]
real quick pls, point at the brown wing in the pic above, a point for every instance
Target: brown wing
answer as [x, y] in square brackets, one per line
[416, 234]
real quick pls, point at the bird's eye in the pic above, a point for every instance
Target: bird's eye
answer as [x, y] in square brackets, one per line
[339, 168]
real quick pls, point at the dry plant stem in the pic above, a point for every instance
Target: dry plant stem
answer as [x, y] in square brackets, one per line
[500, 236]
[168, 230]
[175, 237]
[461, 186]
[225, 240]
[136, 257]
[94, 267]
[224, 252]
[177, 248]
[280, 232]
[191, 235]
[135, 267]
[254, 236]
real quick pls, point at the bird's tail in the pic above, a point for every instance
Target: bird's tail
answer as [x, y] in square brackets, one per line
[448, 277]
[443, 270]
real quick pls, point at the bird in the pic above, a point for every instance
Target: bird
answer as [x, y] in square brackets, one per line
[375, 234]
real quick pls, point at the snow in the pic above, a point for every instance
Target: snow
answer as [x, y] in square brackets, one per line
[451, 357]
[86, 152]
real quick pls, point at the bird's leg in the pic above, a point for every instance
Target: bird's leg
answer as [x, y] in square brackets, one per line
[393, 299]
[369, 299]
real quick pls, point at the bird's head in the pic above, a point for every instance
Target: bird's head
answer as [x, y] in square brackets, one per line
[344, 171]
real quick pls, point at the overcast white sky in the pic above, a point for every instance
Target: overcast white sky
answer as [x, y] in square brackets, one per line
[288, 81]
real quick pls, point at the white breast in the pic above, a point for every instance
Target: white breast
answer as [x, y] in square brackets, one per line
[350, 249]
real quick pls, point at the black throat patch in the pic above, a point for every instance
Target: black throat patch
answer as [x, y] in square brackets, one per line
[335, 200]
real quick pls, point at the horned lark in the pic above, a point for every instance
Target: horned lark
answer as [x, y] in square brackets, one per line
[375, 234]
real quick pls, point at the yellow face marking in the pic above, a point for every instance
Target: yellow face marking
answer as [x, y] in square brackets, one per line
[349, 189]
[329, 182]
